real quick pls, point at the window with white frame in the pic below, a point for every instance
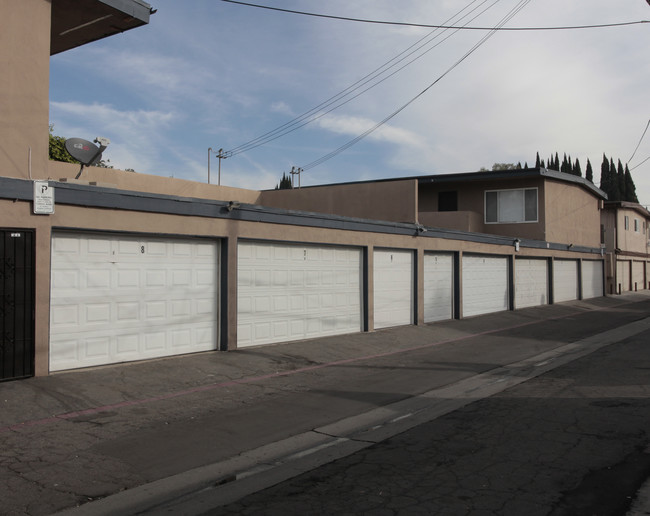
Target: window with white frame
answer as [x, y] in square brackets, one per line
[627, 222]
[511, 206]
[636, 225]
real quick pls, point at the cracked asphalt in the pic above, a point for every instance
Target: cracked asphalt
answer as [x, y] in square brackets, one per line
[572, 441]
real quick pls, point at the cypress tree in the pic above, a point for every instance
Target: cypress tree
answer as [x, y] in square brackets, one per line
[630, 188]
[541, 164]
[565, 167]
[620, 177]
[285, 183]
[537, 161]
[613, 179]
[576, 168]
[605, 178]
[589, 173]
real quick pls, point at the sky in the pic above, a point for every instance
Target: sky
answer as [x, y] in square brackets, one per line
[212, 74]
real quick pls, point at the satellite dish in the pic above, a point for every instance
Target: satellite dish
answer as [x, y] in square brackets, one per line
[85, 152]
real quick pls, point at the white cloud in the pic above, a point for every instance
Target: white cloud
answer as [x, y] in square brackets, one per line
[281, 108]
[136, 136]
[353, 126]
[210, 74]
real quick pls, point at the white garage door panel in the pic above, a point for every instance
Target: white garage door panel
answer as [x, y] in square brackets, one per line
[290, 292]
[592, 279]
[531, 282]
[438, 286]
[638, 274]
[565, 280]
[623, 275]
[485, 284]
[116, 299]
[393, 287]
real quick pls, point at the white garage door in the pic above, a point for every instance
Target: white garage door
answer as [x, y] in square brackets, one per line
[592, 279]
[622, 275]
[122, 298]
[565, 280]
[485, 284]
[531, 282]
[393, 287]
[290, 292]
[438, 286]
[638, 275]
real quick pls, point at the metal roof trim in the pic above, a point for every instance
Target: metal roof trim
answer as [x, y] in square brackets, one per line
[112, 198]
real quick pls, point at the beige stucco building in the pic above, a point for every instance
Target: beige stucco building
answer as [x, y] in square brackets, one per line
[627, 242]
[119, 266]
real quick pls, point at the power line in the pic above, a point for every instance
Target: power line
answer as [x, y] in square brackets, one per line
[405, 24]
[637, 166]
[515, 10]
[639, 144]
[338, 100]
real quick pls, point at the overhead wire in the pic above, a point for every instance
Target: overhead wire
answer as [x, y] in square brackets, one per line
[513, 12]
[344, 97]
[443, 26]
[637, 166]
[640, 140]
[337, 100]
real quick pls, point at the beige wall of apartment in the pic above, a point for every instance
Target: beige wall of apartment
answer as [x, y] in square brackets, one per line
[24, 87]
[395, 201]
[631, 238]
[471, 212]
[572, 214]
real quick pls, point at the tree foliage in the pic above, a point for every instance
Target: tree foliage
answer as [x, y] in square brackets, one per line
[57, 151]
[57, 148]
[615, 179]
[589, 172]
[285, 183]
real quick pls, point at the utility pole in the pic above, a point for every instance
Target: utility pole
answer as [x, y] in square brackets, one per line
[209, 151]
[294, 171]
[221, 156]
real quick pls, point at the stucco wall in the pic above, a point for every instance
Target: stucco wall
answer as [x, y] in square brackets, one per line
[572, 215]
[24, 87]
[629, 240]
[394, 201]
[149, 183]
[459, 220]
[471, 198]
[18, 215]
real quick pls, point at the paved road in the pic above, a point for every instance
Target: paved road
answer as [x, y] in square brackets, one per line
[138, 437]
[574, 441]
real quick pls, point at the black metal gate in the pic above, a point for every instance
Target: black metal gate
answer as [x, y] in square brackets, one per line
[16, 304]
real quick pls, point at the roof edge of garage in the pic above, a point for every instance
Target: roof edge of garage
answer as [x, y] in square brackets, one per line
[112, 198]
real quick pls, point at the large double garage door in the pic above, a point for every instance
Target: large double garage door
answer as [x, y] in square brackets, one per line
[118, 298]
[295, 291]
